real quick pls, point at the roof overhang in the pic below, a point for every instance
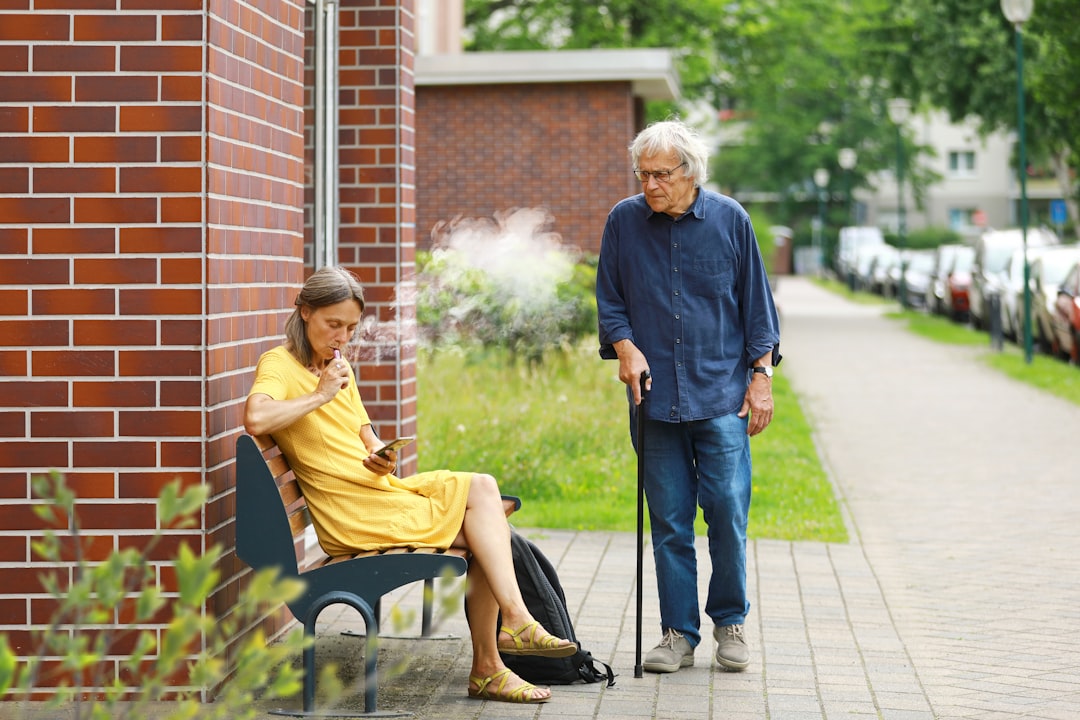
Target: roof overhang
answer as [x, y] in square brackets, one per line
[651, 72]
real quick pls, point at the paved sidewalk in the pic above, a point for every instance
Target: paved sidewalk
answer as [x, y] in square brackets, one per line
[957, 597]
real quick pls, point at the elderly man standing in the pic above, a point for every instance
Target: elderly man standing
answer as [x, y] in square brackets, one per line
[684, 300]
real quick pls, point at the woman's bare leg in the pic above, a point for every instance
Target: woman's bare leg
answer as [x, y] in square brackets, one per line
[486, 534]
[482, 612]
[493, 586]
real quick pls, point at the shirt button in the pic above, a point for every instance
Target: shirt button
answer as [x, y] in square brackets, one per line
[675, 269]
[678, 340]
[677, 316]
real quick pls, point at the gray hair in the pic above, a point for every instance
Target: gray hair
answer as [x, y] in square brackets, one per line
[674, 135]
[326, 286]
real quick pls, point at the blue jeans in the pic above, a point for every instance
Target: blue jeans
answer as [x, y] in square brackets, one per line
[704, 462]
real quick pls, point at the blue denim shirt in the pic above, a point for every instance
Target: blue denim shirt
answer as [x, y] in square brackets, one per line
[692, 294]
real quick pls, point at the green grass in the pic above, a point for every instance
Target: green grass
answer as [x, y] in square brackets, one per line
[558, 437]
[1046, 373]
[1056, 377]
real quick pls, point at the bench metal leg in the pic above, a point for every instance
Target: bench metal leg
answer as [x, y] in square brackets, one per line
[371, 656]
[426, 617]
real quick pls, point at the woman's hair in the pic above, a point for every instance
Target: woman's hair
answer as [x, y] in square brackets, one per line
[327, 286]
[674, 135]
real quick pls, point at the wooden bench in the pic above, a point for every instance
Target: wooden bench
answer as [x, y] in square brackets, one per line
[271, 521]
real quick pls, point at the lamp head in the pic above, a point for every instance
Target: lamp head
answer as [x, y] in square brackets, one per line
[1017, 12]
[900, 109]
[821, 177]
[847, 158]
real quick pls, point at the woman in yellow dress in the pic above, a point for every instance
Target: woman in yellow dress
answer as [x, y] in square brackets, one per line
[305, 396]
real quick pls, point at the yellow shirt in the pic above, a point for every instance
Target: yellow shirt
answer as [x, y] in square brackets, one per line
[351, 507]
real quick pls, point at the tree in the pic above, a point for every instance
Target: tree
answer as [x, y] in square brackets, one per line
[794, 74]
[789, 76]
[959, 55]
[687, 26]
[1055, 83]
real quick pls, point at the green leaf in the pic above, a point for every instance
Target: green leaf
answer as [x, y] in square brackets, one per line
[195, 575]
[174, 505]
[8, 663]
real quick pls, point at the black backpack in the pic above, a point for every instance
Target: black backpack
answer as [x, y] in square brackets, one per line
[546, 601]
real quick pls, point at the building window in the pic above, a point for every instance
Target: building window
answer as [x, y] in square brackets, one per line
[961, 163]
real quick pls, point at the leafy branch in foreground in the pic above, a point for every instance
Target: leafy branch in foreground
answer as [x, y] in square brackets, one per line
[90, 656]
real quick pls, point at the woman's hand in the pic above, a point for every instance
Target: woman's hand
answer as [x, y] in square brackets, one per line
[381, 465]
[333, 378]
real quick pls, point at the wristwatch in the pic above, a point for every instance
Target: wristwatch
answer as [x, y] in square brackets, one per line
[763, 369]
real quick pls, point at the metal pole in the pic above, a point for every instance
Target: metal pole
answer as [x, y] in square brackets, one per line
[821, 230]
[1022, 172]
[901, 223]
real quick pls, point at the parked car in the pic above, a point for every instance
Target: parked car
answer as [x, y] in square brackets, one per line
[1012, 298]
[885, 259]
[1066, 320]
[864, 264]
[916, 268]
[943, 260]
[1048, 271]
[957, 283]
[847, 248]
[992, 253]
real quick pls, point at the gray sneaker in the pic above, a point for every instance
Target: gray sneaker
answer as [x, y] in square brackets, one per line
[731, 650]
[672, 653]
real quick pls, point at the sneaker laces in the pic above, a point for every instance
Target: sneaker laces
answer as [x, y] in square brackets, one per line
[734, 632]
[670, 635]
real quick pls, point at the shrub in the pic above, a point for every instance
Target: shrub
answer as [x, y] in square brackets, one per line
[504, 282]
[925, 238]
[77, 651]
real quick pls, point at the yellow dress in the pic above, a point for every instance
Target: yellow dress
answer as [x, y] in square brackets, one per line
[351, 507]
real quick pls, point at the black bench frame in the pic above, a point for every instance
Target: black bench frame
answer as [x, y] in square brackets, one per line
[271, 518]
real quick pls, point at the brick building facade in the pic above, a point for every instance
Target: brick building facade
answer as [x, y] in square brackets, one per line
[152, 236]
[499, 131]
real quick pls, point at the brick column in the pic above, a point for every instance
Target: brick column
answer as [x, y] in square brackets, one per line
[150, 235]
[377, 239]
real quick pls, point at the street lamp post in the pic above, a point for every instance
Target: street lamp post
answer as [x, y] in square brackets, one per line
[1018, 12]
[899, 111]
[846, 159]
[821, 179]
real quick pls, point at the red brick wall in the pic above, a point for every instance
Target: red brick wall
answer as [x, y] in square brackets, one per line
[482, 149]
[150, 229]
[378, 204]
[254, 240]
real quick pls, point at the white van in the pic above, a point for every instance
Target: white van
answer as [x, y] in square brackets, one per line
[847, 248]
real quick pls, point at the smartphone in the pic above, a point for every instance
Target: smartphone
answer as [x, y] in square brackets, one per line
[394, 445]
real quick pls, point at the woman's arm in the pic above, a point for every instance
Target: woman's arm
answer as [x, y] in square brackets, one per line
[263, 414]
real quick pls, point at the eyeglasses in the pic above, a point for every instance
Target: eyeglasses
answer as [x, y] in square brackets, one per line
[663, 176]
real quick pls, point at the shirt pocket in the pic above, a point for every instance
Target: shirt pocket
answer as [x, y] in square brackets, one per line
[708, 278]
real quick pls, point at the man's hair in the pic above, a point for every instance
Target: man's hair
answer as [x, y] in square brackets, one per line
[327, 286]
[674, 135]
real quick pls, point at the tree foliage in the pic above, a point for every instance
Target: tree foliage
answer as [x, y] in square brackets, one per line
[960, 55]
[687, 26]
[797, 80]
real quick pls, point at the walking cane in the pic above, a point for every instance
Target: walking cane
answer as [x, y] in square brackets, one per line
[638, 668]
